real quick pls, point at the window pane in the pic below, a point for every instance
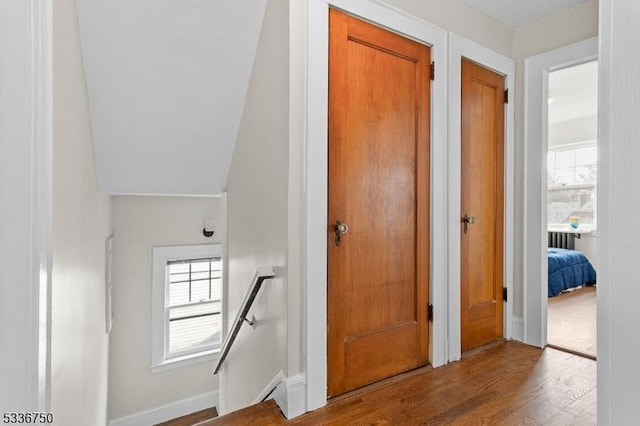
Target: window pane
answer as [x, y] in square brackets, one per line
[564, 176]
[196, 309]
[177, 268]
[200, 275]
[551, 160]
[586, 156]
[216, 264]
[215, 288]
[175, 278]
[200, 291]
[564, 203]
[200, 266]
[194, 327]
[197, 324]
[565, 158]
[178, 293]
[587, 174]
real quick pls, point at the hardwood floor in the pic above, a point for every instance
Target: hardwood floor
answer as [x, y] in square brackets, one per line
[571, 322]
[192, 419]
[506, 383]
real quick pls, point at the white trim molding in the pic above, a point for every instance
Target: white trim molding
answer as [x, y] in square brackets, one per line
[269, 389]
[290, 396]
[536, 80]
[460, 47]
[26, 157]
[169, 411]
[315, 331]
[222, 401]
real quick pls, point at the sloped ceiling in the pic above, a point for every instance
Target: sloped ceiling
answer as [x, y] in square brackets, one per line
[167, 80]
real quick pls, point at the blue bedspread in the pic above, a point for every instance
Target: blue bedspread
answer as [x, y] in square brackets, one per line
[568, 269]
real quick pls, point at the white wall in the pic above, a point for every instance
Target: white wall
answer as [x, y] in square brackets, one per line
[566, 27]
[257, 217]
[463, 19]
[25, 211]
[549, 33]
[81, 224]
[588, 244]
[619, 247]
[140, 223]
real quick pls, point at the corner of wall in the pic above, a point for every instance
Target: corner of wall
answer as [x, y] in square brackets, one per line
[290, 396]
[517, 329]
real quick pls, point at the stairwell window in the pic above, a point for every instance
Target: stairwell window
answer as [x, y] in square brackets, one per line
[186, 305]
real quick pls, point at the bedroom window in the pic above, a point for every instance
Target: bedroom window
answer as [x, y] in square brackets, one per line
[186, 305]
[572, 184]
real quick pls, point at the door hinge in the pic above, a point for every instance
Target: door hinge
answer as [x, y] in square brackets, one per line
[506, 96]
[504, 293]
[433, 70]
[430, 313]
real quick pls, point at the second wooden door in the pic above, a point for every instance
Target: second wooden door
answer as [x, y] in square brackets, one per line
[482, 215]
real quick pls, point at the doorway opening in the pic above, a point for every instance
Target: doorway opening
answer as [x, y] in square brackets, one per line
[571, 172]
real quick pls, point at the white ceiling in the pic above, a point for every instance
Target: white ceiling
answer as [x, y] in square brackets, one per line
[167, 81]
[573, 105]
[573, 92]
[519, 12]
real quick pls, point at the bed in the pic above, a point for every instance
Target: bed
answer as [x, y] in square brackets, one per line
[568, 269]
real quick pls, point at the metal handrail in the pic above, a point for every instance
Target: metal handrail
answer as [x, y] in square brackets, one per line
[261, 274]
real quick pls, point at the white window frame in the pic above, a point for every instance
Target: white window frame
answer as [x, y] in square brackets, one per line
[161, 256]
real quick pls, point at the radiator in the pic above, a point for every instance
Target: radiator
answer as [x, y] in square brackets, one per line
[565, 240]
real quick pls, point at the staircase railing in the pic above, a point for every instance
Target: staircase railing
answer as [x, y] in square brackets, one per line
[262, 273]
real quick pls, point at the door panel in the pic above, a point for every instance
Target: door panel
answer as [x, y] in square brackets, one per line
[379, 186]
[483, 199]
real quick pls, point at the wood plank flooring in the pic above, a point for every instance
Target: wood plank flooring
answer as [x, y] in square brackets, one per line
[506, 383]
[571, 322]
[192, 419]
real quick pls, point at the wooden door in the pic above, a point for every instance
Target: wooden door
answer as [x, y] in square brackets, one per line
[481, 260]
[378, 275]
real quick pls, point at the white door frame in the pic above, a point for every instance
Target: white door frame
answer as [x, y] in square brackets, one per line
[316, 176]
[536, 75]
[460, 47]
[26, 143]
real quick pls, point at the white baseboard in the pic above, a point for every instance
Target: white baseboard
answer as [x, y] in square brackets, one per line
[517, 329]
[169, 411]
[267, 392]
[290, 396]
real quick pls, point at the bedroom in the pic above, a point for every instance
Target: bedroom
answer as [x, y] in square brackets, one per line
[572, 166]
